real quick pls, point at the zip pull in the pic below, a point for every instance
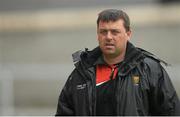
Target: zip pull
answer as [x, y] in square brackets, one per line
[112, 73]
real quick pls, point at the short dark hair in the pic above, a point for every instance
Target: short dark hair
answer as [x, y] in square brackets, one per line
[114, 15]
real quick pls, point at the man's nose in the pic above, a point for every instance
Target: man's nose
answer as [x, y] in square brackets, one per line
[109, 35]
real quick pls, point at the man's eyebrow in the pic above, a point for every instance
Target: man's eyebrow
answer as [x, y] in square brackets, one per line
[114, 29]
[109, 29]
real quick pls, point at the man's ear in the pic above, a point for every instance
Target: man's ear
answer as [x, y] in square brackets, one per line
[129, 34]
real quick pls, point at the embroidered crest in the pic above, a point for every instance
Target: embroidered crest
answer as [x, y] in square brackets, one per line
[136, 80]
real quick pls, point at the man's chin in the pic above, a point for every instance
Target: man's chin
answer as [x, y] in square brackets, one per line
[109, 53]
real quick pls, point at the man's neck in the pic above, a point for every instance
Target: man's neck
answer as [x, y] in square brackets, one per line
[114, 60]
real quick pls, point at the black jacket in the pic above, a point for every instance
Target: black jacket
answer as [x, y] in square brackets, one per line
[143, 86]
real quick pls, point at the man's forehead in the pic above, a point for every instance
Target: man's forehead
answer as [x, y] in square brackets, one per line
[111, 21]
[115, 24]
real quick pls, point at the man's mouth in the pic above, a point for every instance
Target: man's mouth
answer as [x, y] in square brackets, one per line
[109, 45]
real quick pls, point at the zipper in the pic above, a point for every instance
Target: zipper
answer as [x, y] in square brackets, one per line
[112, 73]
[91, 94]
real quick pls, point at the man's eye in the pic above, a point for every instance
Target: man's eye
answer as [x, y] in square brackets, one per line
[103, 31]
[115, 32]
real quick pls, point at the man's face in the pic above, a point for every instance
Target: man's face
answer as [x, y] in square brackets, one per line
[112, 37]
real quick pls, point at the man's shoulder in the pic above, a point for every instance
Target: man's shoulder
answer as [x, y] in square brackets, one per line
[152, 59]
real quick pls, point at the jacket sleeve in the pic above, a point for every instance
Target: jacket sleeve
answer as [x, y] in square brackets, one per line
[65, 105]
[163, 97]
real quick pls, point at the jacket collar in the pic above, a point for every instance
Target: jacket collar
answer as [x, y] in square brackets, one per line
[133, 57]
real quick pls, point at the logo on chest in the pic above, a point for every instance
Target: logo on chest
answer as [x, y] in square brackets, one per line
[135, 80]
[81, 86]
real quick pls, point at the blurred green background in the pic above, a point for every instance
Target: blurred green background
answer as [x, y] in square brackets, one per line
[37, 38]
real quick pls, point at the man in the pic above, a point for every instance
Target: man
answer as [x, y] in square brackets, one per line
[117, 78]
